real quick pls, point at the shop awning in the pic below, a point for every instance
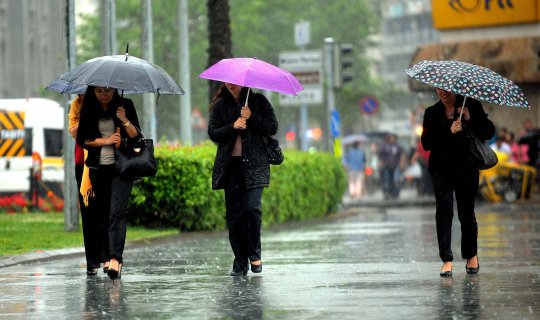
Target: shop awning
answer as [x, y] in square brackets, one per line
[518, 59]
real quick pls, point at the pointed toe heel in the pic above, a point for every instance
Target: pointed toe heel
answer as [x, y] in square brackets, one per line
[256, 268]
[115, 274]
[472, 270]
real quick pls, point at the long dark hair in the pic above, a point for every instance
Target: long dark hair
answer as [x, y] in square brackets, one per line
[224, 93]
[91, 108]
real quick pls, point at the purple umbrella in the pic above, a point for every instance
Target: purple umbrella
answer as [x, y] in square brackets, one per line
[253, 73]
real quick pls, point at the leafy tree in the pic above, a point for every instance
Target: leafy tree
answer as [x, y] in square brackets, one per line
[258, 28]
[219, 36]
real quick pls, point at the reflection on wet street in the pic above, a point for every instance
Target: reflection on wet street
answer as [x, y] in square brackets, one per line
[374, 263]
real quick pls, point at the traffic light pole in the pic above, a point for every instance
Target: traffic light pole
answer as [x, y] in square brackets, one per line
[330, 97]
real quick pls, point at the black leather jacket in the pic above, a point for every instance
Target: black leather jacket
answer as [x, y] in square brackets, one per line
[262, 121]
[448, 152]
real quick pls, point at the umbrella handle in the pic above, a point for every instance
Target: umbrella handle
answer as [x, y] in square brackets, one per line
[247, 96]
[462, 106]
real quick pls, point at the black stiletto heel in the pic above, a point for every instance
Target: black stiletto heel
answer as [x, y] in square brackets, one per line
[446, 274]
[115, 274]
[473, 270]
[92, 272]
[256, 268]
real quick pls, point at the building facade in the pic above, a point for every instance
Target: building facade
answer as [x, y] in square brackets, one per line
[503, 35]
[32, 49]
[405, 25]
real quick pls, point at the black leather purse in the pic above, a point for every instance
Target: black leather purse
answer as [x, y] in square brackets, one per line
[481, 156]
[136, 159]
[273, 150]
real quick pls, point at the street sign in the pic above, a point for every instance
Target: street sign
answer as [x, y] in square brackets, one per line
[302, 34]
[369, 105]
[306, 66]
[335, 124]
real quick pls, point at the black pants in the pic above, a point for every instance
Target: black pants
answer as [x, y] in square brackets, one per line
[93, 245]
[112, 195]
[465, 186]
[244, 215]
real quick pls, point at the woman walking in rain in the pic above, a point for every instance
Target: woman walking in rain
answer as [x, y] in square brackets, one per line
[105, 119]
[241, 167]
[444, 135]
[94, 234]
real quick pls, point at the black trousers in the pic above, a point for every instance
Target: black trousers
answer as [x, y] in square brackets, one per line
[112, 194]
[94, 247]
[464, 184]
[243, 215]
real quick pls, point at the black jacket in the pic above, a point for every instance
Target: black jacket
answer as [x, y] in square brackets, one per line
[89, 130]
[448, 152]
[262, 121]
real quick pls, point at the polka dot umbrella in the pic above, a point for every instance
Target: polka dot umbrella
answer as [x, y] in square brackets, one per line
[469, 80]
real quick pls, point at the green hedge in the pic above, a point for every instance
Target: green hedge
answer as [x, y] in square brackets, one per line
[304, 186]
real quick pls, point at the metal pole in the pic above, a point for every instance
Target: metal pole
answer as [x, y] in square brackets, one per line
[149, 103]
[303, 127]
[105, 27]
[71, 194]
[185, 100]
[330, 99]
[112, 26]
[108, 27]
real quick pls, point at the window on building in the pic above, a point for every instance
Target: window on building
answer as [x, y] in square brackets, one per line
[53, 142]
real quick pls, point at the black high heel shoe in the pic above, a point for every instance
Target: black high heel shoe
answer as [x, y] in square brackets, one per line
[115, 274]
[256, 268]
[92, 272]
[473, 270]
[239, 270]
[446, 274]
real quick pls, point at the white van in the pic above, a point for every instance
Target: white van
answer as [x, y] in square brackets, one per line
[30, 127]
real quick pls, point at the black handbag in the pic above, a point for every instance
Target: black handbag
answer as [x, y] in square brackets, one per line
[481, 156]
[136, 159]
[273, 150]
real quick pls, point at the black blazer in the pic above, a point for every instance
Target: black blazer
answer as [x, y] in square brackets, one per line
[448, 152]
[89, 130]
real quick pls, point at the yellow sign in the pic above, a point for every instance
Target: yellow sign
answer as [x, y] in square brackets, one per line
[12, 133]
[455, 14]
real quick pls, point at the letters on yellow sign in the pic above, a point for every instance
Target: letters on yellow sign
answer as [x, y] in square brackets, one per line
[455, 14]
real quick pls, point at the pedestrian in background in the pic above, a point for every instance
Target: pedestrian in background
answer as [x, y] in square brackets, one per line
[390, 157]
[105, 119]
[93, 246]
[421, 157]
[445, 136]
[519, 152]
[530, 136]
[241, 167]
[355, 163]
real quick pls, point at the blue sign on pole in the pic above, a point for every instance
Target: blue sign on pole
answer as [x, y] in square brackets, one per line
[334, 123]
[369, 105]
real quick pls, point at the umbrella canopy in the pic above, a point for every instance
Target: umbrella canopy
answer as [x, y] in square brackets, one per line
[361, 138]
[62, 86]
[122, 72]
[253, 73]
[469, 80]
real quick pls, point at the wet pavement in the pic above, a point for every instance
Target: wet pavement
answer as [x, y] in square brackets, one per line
[363, 263]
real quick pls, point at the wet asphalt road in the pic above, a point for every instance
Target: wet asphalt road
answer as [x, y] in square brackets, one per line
[373, 263]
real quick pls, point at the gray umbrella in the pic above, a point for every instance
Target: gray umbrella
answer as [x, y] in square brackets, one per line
[62, 86]
[123, 72]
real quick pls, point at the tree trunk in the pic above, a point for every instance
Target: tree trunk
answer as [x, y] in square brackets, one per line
[219, 36]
